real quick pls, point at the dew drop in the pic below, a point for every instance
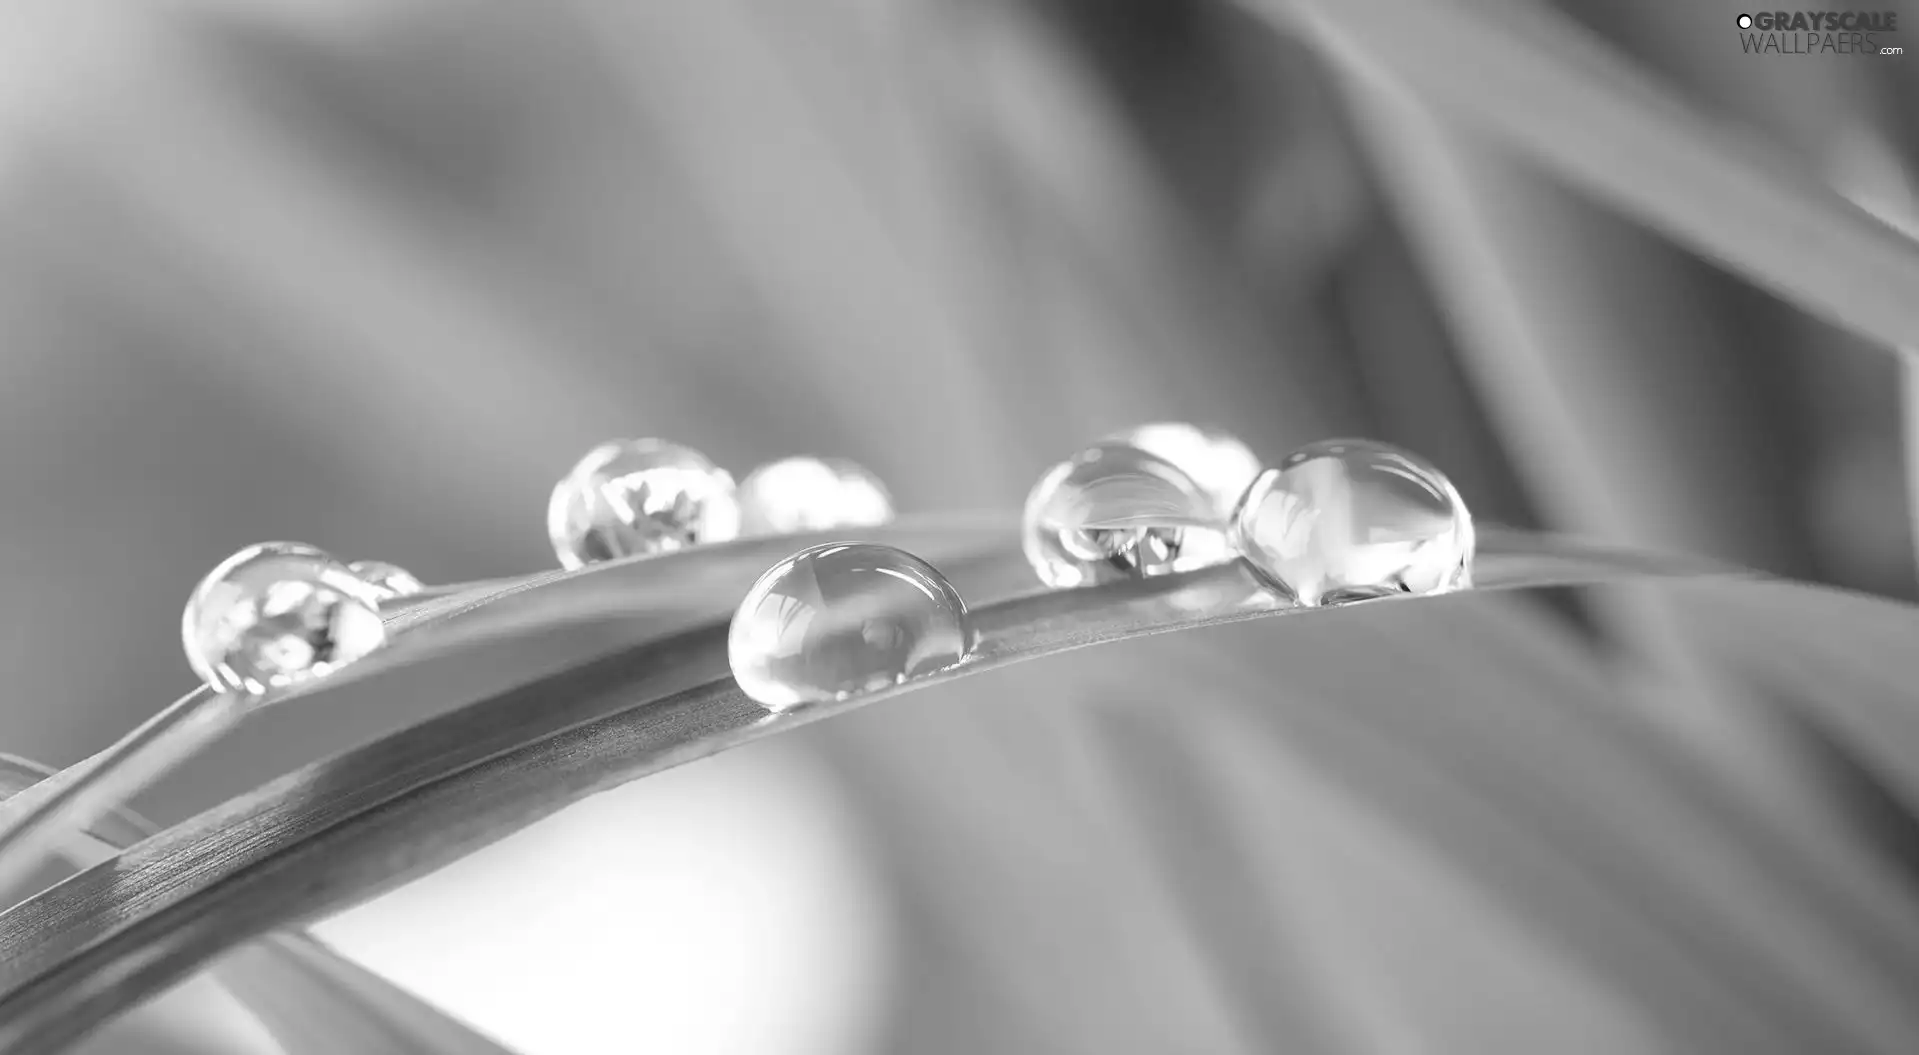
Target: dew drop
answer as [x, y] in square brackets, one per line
[1113, 512]
[811, 494]
[834, 621]
[1216, 460]
[630, 498]
[388, 580]
[277, 614]
[1346, 520]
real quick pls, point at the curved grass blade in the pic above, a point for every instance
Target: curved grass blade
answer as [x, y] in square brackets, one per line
[342, 830]
[307, 996]
[666, 590]
[1529, 77]
[35, 823]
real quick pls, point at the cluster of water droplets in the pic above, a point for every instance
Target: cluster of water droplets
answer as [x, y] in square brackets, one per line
[279, 614]
[644, 497]
[827, 623]
[1335, 521]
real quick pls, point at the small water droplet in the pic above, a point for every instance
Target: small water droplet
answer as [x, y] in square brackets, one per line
[630, 498]
[834, 621]
[1217, 461]
[278, 614]
[388, 580]
[1346, 520]
[811, 494]
[1113, 512]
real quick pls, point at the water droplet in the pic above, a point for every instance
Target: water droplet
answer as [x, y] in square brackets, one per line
[834, 621]
[811, 494]
[277, 614]
[1345, 520]
[1114, 511]
[630, 498]
[1217, 461]
[387, 580]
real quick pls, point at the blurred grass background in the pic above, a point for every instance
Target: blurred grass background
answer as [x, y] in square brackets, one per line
[371, 274]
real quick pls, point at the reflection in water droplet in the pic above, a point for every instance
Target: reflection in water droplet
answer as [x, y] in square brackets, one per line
[630, 498]
[1346, 520]
[811, 494]
[1217, 461]
[277, 614]
[388, 580]
[1113, 512]
[834, 621]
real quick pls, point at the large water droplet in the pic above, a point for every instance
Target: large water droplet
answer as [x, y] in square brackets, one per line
[277, 614]
[1217, 461]
[1114, 511]
[1346, 520]
[388, 580]
[631, 498]
[811, 494]
[834, 621]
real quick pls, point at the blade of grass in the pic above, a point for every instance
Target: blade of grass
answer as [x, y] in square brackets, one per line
[35, 826]
[310, 999]
[341, 830]
[1533, 80]
[666, 589]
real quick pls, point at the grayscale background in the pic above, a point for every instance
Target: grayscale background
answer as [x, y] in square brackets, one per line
[372, 273]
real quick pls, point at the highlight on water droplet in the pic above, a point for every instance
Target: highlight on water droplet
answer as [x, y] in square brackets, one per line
[811, 494]
[1114, 511]
[278, 614]
[630, 498]
[1216, 460]
[388, 580]
[835, 621]
[1346, 520]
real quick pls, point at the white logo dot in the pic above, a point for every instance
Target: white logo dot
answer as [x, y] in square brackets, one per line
[1745, 21]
